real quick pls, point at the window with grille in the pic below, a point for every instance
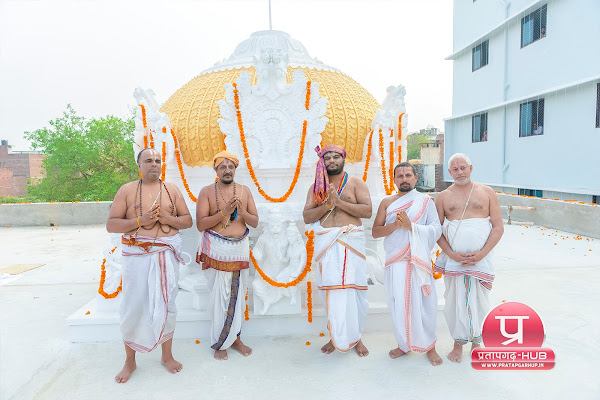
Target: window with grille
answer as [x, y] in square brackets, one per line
[479, 128]
[480, 55]
[533, 26]
[531, 192]
[531, 118]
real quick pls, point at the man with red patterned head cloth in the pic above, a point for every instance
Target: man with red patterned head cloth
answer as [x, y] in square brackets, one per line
[335, 205]
[223, 212]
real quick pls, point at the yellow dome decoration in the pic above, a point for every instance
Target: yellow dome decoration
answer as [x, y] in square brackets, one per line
[193, 110]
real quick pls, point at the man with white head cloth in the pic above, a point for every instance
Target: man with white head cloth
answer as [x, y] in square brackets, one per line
[472, 226]
[223, 212]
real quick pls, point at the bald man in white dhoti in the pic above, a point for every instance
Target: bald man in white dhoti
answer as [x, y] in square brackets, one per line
[409, 222]
[150, 214]
[472, 226]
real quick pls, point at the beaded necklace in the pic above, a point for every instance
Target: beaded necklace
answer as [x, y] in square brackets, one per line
[233, 215]
[159, 199]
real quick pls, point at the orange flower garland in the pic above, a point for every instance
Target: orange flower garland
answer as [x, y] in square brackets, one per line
[247, 155]
[388, 190]
[247, 312]
[180, 165]
[309, 300]
[145, 141]
[163, 165]
[400, 137]
[368, 160]
[151, 139]
[436, 275]
[391, 172]
[103, 278]
[309, 255]
[143, 115]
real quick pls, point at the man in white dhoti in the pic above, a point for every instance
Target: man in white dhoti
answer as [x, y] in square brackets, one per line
[150, 214]
[334, 206]
[409, 222]
[223, 211]
[472, 226]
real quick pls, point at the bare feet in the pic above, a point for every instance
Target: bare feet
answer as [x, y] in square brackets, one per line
[361, 350]
[172, 365]
[241, 347]
[220, 354]
[395, 353]
[328, 348]
[125, 373]
[434, 357]
[456, 354]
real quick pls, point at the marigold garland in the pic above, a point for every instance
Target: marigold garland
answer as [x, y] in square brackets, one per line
[151, 138]
[163, 165]
[247, 155]
[143, 115]
[391, 170]
[309, 255]
[388, 189]
[145, 141]
[368, 160]
[436, 275]
[180, 166]
[247, 312]
[103, 278]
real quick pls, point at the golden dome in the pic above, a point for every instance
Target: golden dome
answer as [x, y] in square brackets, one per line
[193, 111]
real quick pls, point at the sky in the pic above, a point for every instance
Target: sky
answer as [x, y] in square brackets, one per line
[92, 54]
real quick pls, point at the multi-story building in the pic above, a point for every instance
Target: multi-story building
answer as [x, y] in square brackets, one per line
[16, 168]
[526, 95]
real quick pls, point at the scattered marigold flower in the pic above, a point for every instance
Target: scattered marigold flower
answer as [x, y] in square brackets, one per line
[87, 313]
[70, 294]
[7, 226]
[308, 343]
[504, 301]
[321, 334]
[197, 341]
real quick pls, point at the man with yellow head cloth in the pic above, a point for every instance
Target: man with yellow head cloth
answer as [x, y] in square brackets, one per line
[223, 212]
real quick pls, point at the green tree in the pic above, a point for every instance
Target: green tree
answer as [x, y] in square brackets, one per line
[88, 159]
[413, 142]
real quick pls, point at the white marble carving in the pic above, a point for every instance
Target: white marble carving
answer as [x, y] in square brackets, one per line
[281, 255]
[114, 271]
[273, 112]
[386, 119]
[156, 122]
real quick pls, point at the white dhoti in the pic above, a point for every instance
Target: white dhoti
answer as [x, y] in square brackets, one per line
[467, 288]
[409, 282]
[150, 275]
[225, 261]
[341, 278]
